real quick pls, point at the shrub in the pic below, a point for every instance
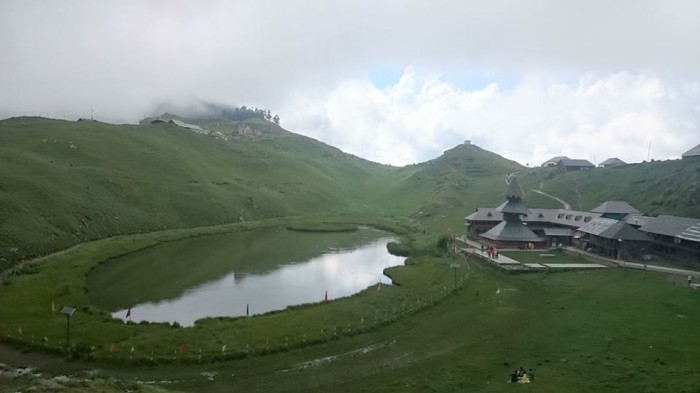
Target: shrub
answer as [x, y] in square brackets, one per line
[398, 249]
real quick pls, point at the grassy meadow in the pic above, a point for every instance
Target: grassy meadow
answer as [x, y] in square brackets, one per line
[588, 331]
[99, 192]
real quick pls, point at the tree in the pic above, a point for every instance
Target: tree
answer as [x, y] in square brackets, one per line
[276, 119]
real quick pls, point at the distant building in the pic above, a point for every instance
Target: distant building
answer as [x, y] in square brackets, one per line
[556, 225]
[613, 238]
[568, 164]
[693, 153]
[554, 161]
[616, 210]
[675, 236]
[511, 232]
[614, 229]
[612, 162]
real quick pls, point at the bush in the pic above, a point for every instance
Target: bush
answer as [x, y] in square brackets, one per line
[442, 242]
[398, 249]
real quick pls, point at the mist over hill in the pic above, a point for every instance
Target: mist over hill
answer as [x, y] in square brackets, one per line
[66, 182]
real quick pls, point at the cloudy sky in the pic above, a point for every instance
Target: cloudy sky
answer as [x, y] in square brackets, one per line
[395, 81]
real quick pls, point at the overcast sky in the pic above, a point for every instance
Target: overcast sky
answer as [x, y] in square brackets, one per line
[395, 82]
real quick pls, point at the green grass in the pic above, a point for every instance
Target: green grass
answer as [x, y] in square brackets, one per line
[592, 331]
[63, 183]
[322, 227]
[661, 187]
[134, 186]
[559, 257]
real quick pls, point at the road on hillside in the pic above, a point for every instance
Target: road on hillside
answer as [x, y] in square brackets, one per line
[565, 204]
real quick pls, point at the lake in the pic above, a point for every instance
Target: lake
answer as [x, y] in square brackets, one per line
[237, 274]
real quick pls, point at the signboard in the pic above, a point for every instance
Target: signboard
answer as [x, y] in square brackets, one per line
[68, 311]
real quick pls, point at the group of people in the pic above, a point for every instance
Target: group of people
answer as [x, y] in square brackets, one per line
[522, 376]
[491, 252]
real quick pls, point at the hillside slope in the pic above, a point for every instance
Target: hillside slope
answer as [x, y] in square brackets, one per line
[659, 187]
[62, 182]
[66, 182]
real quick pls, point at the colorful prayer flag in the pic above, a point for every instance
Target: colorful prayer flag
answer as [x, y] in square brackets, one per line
[19, 331]
[181, 348]
[112, 347]
[53, 307]
[132, 349]
[223, 348]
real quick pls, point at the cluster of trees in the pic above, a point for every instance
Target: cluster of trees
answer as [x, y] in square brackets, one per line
[243, 113]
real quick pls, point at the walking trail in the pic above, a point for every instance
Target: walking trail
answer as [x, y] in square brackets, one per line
[564, 203]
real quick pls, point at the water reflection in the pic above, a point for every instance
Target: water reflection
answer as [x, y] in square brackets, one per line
[339, 273]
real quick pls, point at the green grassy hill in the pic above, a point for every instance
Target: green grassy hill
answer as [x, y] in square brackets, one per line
[68, 182]
[63, 182]
[660, 187]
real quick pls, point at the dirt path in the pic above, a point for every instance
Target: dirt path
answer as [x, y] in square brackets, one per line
[20, 265]
[564, 204]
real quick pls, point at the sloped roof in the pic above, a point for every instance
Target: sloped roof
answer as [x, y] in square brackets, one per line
[512, 232]
[555, 160]
[672, 226]
[621, 207]
[576, 163]
[559, 232]
[186, 125]
[513, 206]
[564, 217]
[613, 229]
[514, 190]
[613, 162]
[692, 233]
[692, 152]
[638, 219]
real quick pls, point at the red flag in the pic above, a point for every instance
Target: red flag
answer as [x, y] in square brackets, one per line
[325, 299]
[128, 313]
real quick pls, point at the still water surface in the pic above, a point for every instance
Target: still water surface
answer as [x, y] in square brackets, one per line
[222, 277]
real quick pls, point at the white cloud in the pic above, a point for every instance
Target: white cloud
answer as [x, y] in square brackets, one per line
[593, 117]
[582, 69]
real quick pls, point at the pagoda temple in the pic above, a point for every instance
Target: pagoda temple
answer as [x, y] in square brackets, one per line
[512, 232]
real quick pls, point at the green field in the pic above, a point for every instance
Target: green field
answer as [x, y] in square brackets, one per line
[558, 257]
[109, 190]
[612, 330]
